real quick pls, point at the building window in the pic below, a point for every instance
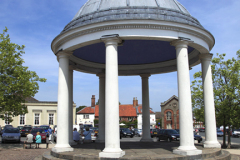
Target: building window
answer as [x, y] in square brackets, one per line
[6, 119]
[51, 116]
[169, 115]
[130, 118]
[36, 119]
[22, 119]
[120, 118]
[85, 116]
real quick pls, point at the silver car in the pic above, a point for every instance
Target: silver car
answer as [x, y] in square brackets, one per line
[10, 135]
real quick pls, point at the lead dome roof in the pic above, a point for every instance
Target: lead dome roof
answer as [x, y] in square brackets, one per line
[95, 11]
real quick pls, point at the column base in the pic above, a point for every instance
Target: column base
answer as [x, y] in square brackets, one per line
[187, 152]
[211, 144]
[146, 140]
[116, 154]
[62, 148]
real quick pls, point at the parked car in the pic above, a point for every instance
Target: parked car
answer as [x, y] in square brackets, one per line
[25, 131]
[236, 133]
[11, 134]
[42, 133]
[219, 133]
[196, 137]
[168, 134]
[20, 128]
[45, 127]
[6, 126]
[36, 127]
[127, 132]
[201, 129]
[153, 132]
[139, 133]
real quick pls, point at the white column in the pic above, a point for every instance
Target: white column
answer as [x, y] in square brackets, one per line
[185, 105]
[71, 142]
[101, 122]
[63, 105]
[146, 137]
[112, 138]
[209, 108]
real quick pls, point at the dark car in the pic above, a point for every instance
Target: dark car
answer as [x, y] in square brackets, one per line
[20, 128]
[153, 132]
[25, 131]
[127, 133]
[168, 134]
[42, 133]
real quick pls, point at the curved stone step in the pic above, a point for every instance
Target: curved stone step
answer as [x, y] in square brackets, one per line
[225, 155]
[48, 156]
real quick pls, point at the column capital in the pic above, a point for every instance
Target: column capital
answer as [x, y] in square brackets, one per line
[101, 75]
[145, 75]
[111, 39]
[180, 43]
[63, 54]
[206, 56]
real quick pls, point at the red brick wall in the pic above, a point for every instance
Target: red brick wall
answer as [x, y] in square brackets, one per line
[166, 122]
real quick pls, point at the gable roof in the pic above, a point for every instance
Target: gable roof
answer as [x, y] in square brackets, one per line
[165, 102]
[125, 110]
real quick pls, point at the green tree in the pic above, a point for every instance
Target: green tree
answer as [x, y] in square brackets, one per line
[158, 121]
[16, 81]
[226, 80]
[96, 121]
[79, 108]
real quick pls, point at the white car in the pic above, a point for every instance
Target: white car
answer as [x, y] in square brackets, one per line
[236, 133]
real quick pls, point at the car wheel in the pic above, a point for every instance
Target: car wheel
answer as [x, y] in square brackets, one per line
[199, 141]
[131, 136]
[2, 141]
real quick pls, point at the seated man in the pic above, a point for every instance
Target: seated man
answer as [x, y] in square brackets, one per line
[29, 139]
[76, 135]
[87, 136]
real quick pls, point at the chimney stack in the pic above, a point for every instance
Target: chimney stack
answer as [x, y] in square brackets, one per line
[135, 102]
[93, 101]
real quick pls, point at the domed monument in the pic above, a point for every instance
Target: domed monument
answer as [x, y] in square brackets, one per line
[112, 38]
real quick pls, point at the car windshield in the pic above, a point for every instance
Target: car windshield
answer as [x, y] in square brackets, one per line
[24, 128]
[11, 130]
[35, 130]
[87, 125]
[172, 132]
[126, 129]
[44, 127]
[236, 129]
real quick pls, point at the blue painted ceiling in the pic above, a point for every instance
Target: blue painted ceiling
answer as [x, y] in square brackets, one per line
[133, 52]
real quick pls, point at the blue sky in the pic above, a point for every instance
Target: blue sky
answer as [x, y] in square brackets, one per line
[36, 23]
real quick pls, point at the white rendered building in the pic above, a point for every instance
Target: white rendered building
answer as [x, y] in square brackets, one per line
[111, 38]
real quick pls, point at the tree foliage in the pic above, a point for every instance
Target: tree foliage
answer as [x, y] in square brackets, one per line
[226, 80]
[16, 81]
[79, 108]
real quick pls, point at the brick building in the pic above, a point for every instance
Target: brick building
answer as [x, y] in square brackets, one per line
[127, 112]
[170, 114]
